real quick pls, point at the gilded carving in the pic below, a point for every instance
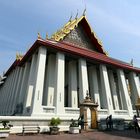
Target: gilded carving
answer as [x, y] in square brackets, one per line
[71, 25]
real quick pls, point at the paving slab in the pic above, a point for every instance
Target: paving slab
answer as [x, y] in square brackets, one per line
[92, 135]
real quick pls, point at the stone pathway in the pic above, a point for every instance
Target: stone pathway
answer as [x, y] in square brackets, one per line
[94, 135]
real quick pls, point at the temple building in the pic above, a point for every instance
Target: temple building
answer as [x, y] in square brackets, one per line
[55, 75]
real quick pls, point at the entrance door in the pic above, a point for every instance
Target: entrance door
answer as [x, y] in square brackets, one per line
[93, 119]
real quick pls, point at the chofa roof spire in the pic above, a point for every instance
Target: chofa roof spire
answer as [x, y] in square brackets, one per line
[70, 18]
[76, 17]
[84, 12]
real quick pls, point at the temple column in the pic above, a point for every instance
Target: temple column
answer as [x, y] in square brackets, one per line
[10, 92]
[2, 100]
[4, 96]
[6, 83]
[83, 79]
[106, 92]
[134, 87]
[59, 83]
[72, 82]
[7, 91]
[30, 86]
[113, 90]
[1, 105]
[18, 86]
[23, 89]
[48, 96]
[13, 90]
[94, 87]
[124, 92]
[36, 106]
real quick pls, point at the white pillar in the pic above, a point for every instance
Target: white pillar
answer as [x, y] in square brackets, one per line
[106, 93]
[1, 103]
[72, 82]
[124, 92]
[17, 89]
[14, 90]
[134, 86]
[36, 106]
[9, 77]
[113, 90]
[23, 89]
[94, 87]
[10, 92]
[30, 85]
[1, 98]
[83, 80]
[48, 96]
[59, 83]
[4, 96]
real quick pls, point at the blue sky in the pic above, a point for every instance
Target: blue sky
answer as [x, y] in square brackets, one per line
[116, 23]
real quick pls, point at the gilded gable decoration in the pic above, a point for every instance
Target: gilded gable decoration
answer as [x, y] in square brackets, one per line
[71, 25]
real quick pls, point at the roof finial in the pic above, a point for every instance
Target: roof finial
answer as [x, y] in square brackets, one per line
[38, 35]
[70, 18]
[76, 15]
[131, 62]
[84, 12]
[46, 35]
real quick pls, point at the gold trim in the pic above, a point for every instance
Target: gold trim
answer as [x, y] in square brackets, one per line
[69, 26]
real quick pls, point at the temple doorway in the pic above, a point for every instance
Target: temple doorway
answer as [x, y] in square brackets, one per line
[84, 106]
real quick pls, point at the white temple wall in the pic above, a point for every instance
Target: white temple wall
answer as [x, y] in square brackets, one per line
[36, 103]
[113, 90]
[48, 95]
[23, 89]
[17, 90]
[11, 107]
[4, 99]
[10, 92]
[106, 98]
[83, 79]
[94, 87]
[124, 92]
[59, 83]
[4, 91]
[30, 85]
[134, 87]
[72, 82]
[40, 87]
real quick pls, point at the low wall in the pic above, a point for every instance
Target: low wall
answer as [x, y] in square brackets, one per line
[43, 122]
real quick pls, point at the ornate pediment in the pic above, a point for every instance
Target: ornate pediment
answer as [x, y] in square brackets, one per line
[79, 33]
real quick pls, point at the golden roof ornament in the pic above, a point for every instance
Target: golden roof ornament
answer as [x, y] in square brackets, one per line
[76, 17]
[131, 62]
[38, 35]
[46, 35]
[84, 12]
[70, 18]
[19, 56]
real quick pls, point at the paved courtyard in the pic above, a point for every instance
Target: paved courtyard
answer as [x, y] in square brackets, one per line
[93, 135]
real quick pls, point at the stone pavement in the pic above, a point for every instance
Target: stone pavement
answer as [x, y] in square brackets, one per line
[92, 135]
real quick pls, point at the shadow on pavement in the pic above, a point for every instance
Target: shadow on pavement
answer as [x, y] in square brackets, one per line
[124, 133]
